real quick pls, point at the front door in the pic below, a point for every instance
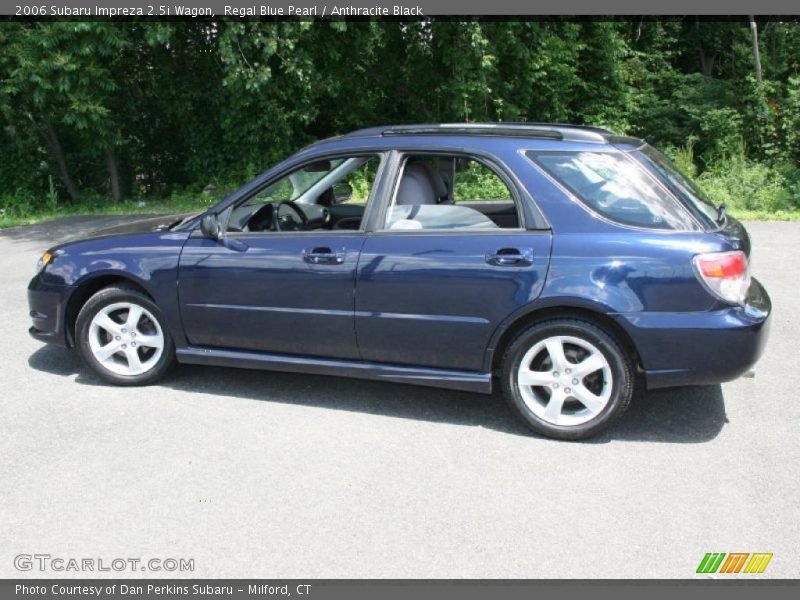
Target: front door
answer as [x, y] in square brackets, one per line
[284, 279]
[273, 296]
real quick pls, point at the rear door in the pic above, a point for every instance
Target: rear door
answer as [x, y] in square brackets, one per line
[435, 281]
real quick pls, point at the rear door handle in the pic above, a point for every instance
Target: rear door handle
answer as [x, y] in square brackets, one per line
[323, 256]
[511, 257]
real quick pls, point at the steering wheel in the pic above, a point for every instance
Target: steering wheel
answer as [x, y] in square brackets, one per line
[286, 222]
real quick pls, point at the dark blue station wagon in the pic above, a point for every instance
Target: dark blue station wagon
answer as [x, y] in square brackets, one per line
[567, 264]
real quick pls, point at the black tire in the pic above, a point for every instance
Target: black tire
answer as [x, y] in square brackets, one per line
[619, 361]
[107, 297]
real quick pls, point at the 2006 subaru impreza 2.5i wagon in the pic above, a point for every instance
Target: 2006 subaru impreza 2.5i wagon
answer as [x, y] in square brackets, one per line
[564, 263]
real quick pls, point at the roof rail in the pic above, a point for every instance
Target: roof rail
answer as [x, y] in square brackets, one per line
[556, 131]
[594, 128]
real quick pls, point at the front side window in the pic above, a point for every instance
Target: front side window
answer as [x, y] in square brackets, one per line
[615, 187]
[311, 197]
[356, 186]
[446, 192]
[292, 186]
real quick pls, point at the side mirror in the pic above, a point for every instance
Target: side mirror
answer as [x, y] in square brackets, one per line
[210, 227]
[342, 192]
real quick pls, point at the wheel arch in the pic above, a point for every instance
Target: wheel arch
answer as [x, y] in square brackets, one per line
[88, 287]
[594, 314]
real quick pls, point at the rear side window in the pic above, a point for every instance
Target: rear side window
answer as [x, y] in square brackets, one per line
[475, 182]
[683, 185]
[616, 187]
[449, 192]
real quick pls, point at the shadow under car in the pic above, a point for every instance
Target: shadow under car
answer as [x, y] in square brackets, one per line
[679, 415]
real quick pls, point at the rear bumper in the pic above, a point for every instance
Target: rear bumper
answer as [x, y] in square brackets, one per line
[47, 304]
[701, 348]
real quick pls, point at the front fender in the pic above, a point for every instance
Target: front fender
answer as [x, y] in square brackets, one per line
[150, 260]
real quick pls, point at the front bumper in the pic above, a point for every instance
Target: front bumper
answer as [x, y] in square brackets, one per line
[701, 348]
[47, 304]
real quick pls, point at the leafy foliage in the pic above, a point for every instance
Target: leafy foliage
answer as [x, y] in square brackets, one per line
[474, 181]
[745, 184]
[145, 109]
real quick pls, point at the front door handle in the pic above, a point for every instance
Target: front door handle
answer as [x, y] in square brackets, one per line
[324, 256]
[511, 257]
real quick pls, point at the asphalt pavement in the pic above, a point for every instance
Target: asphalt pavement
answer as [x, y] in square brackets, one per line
[275, 475]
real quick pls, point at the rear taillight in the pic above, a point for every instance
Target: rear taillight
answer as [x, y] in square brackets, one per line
[726, 274]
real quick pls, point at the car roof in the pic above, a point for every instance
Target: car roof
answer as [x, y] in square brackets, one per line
[555, 131]
[545, 132]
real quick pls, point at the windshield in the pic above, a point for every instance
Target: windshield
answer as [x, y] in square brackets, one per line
[688, 191]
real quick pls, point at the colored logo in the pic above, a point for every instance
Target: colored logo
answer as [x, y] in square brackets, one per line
[734, 562]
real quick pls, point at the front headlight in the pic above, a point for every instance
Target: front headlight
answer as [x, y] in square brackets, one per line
[45, 260]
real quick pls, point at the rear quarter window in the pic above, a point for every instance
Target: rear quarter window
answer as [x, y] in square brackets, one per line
[616, 187]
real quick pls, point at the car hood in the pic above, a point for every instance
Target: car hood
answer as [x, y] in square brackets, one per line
[115, 226]
[141, 225]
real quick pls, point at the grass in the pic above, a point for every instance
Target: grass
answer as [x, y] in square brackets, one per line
[766, 215]
[175, 204]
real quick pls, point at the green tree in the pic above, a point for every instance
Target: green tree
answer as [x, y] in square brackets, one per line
[150, 108]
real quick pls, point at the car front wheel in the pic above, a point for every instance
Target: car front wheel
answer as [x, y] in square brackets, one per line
[567, 379]
[122, 336]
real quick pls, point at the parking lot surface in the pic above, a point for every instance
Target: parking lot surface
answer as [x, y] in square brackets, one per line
[275, 475]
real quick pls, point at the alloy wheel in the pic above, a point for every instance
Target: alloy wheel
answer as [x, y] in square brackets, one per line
[565, 380]
[126, 338]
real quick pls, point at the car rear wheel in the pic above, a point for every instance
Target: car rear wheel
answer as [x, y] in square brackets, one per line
[567, 379]
[122, 336]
